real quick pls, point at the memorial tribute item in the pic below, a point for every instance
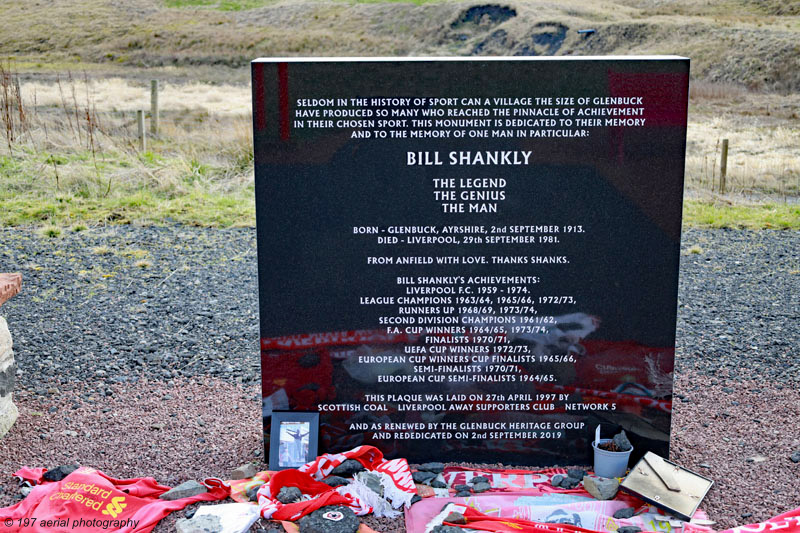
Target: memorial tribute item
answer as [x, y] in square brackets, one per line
[666, 485]
[471, 258]
[294, 439]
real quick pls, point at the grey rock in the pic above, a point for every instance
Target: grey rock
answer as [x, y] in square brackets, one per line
[8, 410]
[556, 480]
[462, 488]
[330, 519]
[190, 512]
[436, 468]
[7, 379]
[455, 518]
[601, 488]
[622, 442]
[184, 490]
[416, 498]
[481, 487]
[438, 484]
[244, 471]
[60, 472]
[289, 495]
[335, 481]
[199, 524]
[795, 457]
[423, 477]
[348, 468]
[629, 529]
[252, 493]
[463, 494]
[479, 479]
[576, 473]
[625, 513]
[446, 529]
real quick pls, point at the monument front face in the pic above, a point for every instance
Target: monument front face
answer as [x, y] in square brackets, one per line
[470, 259]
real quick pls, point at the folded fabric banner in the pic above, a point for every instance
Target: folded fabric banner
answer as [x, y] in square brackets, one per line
[564, 523]
[318, 495]
[87, 501]
[30, 476]
[239, 487]
[395, 479]
[482, 522]
[511, 480]
[571, 509]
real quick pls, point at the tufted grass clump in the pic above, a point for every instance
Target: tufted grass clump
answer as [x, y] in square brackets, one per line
[51, 231]
[101, 250]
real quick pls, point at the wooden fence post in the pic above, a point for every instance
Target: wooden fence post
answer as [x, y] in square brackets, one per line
[723, 166]
[154, 107]
[142, 132]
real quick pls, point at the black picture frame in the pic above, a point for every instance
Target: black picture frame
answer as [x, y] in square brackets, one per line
[299, 451]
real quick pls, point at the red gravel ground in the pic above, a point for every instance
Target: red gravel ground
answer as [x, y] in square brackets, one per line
[152, 429]
[746, 444]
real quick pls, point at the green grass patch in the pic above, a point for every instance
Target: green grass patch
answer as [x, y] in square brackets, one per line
[703, 214]
[212, 209]
[199, 208]
[50, 231]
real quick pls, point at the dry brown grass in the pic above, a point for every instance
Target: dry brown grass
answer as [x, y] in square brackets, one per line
[702, 90]
[76, 155]
[764, 140]
[115, 95]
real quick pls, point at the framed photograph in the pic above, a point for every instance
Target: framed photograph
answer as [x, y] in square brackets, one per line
[293, 439]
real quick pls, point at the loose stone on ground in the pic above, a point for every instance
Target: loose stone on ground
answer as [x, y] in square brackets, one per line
[289, 495]
[348, 468]
[184, 490]
[625, 513]
[601, 488]
[330, 519]
[244, 471]
[60, 472]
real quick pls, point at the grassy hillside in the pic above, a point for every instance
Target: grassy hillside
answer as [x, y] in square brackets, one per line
[748, 42]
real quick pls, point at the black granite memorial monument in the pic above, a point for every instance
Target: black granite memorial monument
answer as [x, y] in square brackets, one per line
[470, 259]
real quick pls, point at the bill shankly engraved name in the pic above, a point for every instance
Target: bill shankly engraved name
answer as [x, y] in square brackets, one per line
[467, 158]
